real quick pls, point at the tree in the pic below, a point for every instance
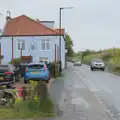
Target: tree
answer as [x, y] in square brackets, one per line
[69, 45]
[87, 52]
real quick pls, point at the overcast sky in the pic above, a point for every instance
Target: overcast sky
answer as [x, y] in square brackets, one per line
[92, 24]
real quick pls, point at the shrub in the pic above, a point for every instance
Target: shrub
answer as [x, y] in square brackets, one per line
[107, 56]
[87, 59]
[54, 70]
[15, 61]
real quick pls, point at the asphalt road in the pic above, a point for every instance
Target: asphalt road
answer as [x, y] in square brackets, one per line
[106, 88]
[82, 94]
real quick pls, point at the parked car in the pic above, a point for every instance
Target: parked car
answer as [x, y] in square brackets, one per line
[77, 63]
[47, 63]
[7, 76]
[97, 64]
[36, 71]
[73, 61]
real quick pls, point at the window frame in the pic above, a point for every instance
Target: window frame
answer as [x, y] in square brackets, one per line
[20, 42]
[46, 41]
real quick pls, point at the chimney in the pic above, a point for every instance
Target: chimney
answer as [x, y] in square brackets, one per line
[8, 17]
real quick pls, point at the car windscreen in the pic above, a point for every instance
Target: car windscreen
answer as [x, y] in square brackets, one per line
[97, 60]
[35, 66]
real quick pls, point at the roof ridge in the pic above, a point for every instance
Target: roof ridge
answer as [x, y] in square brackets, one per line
[42, 24]
[18, 17]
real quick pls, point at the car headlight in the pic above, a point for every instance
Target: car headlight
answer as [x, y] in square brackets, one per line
[103, 64]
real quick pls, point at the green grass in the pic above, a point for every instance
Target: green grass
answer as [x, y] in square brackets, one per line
[27, 109]
[32, 108]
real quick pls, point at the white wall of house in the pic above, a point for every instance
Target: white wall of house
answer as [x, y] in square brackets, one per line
[6, 47]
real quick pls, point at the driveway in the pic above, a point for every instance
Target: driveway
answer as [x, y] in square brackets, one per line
[81, 94]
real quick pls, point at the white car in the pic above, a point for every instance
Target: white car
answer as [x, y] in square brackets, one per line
[77, 63]
[97, 64]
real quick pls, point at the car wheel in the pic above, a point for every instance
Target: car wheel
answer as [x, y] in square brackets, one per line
[91, 68]
[103, 69]
[25, 81]
[47, 81]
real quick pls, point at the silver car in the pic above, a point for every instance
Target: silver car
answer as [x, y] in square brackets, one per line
[97, 64]
[77, 63]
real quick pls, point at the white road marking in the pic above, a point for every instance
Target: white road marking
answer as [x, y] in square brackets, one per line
[81, 102]
[92, 88]
[87, 82]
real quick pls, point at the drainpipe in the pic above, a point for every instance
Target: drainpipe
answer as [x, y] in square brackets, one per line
[12, 51]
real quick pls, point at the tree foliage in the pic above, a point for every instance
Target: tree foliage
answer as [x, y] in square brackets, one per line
[86, 53]
[69, 45]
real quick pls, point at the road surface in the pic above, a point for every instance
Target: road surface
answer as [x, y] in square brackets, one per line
[83, 94]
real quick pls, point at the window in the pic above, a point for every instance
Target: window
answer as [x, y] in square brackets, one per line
[36, 66]
[21, 44]
[45, 45]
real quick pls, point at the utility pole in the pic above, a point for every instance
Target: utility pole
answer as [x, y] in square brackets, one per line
[60, 37]
[55, 61]
[60, 12]
[0, 53]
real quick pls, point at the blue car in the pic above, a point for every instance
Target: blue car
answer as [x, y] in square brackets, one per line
[36, 71]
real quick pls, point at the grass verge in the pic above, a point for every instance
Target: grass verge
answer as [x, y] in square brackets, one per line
[27, 109]
[34, 107]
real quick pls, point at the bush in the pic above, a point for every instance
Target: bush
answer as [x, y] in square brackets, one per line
[87, 59]
[54, 70]
[106, 57]
[15, 61]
